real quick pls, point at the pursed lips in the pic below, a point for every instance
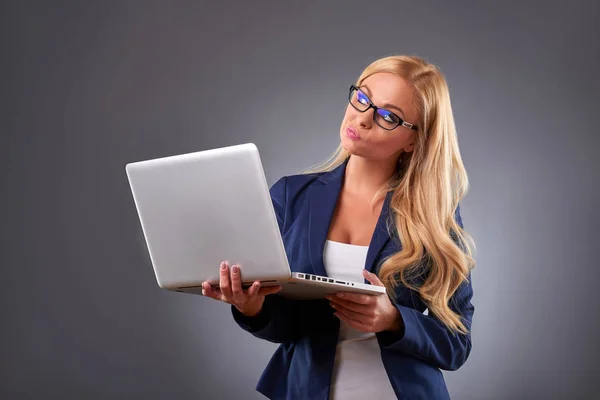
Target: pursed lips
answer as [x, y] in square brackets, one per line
[351, 132]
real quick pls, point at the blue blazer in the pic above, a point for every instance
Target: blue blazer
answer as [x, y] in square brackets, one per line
[307, 330]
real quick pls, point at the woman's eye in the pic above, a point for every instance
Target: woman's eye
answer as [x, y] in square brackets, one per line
[362, 98]
[388, 116]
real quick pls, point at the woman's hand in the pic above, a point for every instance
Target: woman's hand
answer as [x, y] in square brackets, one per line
[367, 313]
[248, 302]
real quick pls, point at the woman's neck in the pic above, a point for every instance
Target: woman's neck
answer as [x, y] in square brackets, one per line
[364, 177]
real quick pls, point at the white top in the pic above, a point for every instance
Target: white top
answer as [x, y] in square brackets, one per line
[358, 370]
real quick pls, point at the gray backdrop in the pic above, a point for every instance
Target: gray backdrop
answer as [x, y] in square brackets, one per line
[89, 86]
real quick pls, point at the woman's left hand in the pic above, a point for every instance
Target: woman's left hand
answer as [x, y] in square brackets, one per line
[367, 313]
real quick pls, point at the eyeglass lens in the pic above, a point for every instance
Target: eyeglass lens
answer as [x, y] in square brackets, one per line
[383, 117]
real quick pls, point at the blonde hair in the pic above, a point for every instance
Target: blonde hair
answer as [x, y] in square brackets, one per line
[427, 189]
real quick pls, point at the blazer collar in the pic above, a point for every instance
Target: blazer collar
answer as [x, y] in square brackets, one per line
[323, 200]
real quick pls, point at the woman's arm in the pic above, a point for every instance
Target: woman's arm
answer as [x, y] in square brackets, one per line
[283, 320]
[426, 337]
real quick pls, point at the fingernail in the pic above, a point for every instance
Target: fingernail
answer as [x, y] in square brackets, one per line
[340, 294]
[223, 266]
[235, 269]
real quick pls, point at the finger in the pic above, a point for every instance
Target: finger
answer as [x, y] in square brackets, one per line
[356, 297]
[356, 316]
[269, 290]
[253, 290]
[208, 291]
[354, 324]
[224, 282]
[371, 277]
[351, 305]
[236, 285]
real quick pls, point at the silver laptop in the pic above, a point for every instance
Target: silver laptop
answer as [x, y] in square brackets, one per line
[199, 209]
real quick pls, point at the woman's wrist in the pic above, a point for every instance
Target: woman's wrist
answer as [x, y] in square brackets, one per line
[397, 324]
[249, 314]
[252, 312]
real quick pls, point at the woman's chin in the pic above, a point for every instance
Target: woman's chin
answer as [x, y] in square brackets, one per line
[349, 145]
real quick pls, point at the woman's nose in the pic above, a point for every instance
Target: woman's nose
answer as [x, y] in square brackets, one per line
[365, 119]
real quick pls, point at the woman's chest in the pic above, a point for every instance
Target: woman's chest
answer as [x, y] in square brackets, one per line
[354, 221]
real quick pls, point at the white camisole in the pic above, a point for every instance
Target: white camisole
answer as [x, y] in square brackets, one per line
[358, 370]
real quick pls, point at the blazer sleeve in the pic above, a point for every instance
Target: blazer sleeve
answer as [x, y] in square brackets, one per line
[281, 319]
[427, 338]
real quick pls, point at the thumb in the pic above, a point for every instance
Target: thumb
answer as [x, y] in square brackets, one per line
[264, 291]
[372, 278]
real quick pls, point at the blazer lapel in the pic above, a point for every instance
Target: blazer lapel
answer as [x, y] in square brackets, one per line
[323, 200]
[380, 235]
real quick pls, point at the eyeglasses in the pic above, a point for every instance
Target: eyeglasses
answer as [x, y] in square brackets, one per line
[382, 117]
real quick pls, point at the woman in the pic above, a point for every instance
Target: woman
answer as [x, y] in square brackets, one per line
[384, 210]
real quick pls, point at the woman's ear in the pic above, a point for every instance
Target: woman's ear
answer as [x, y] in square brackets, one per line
[410, 146]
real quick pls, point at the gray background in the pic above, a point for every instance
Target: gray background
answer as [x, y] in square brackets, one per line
[89, 86]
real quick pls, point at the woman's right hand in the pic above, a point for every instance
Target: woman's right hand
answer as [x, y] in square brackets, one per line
[248, 302]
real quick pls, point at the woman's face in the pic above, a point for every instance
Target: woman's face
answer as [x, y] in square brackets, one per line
[362, 137]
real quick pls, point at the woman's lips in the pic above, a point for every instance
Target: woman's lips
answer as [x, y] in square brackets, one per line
[352, 133]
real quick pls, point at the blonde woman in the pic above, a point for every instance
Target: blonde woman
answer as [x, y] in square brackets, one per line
[385, 210]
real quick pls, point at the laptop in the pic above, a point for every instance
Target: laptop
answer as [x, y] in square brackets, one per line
[199, 209]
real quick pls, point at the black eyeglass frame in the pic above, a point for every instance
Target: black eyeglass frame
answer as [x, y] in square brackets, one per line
[401, 122]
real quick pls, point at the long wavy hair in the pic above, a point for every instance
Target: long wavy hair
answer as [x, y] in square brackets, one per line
[436, 255]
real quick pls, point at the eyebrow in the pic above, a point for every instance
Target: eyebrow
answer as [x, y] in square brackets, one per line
[386, 105]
